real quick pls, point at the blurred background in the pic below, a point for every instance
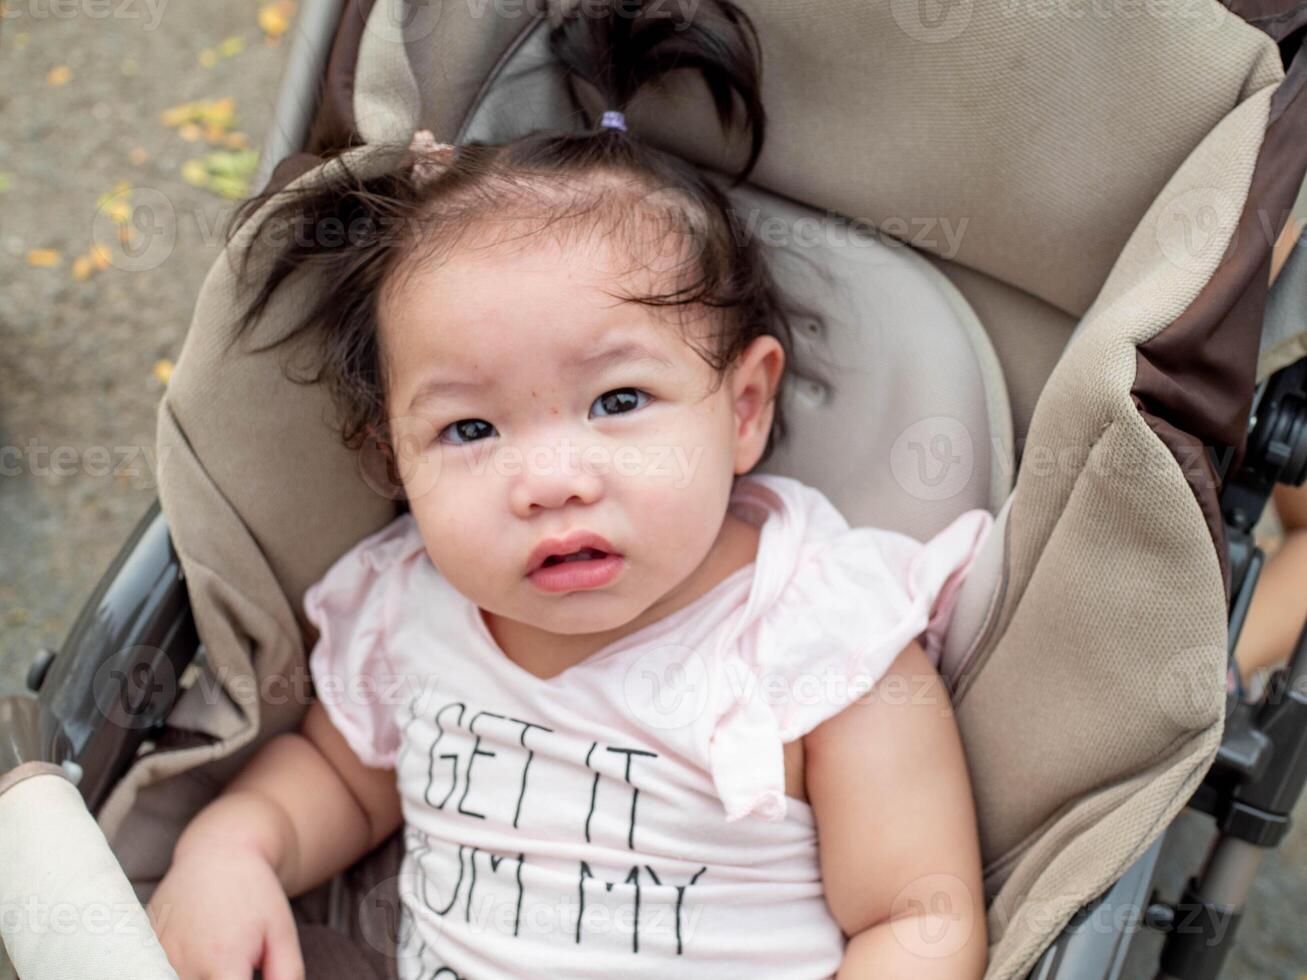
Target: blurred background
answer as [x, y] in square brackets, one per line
[109, 104]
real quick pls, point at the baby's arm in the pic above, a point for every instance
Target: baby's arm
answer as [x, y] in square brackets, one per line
[302, 809]
[900, 855]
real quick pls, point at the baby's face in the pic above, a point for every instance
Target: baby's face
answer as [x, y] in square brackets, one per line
[534, 415]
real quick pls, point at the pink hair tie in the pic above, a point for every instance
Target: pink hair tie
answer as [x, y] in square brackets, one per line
[431, 159]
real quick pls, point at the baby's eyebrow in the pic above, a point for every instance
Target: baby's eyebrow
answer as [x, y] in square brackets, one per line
[617, 354]
[433, 389]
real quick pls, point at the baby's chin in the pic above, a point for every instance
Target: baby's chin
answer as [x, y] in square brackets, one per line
[582, 612]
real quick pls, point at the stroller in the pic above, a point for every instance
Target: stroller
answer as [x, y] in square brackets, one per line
[1037, 243]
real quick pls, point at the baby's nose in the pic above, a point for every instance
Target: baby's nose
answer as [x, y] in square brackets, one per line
[552, 477]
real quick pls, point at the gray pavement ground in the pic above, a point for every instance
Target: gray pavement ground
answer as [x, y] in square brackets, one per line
[78, 381]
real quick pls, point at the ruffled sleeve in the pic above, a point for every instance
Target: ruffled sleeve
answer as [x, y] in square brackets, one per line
[348, 664]
[849, 605]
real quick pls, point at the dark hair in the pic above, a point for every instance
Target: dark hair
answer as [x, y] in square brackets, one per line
[365, 231]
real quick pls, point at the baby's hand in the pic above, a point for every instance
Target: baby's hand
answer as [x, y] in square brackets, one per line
[221, 913]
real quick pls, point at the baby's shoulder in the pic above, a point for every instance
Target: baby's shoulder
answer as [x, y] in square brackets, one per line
[369, 568]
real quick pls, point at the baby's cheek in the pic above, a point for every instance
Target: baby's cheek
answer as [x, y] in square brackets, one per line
[684, 519]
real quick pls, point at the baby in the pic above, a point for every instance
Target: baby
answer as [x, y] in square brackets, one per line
[639, 713]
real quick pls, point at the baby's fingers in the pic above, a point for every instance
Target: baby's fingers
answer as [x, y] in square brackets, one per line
[282, 959]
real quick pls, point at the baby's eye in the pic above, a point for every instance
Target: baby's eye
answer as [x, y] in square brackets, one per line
[464, 431]
[619, 401]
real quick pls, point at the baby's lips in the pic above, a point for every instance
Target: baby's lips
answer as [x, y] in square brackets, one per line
[566, 545]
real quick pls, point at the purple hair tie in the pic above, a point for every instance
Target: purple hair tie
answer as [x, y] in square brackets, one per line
[613, 119]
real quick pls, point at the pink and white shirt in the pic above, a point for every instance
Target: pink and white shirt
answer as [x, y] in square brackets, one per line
[627, 817]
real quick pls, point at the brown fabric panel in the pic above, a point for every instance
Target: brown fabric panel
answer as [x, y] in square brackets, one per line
[334, 127]
[330, 956]
[1278, 18]
[1194, 381]
[291, 167]
[333, 124]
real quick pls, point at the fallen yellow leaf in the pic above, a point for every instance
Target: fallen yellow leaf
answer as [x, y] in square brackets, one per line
[82, 267]
[274, 18]
[208, 118]
[225, 173]
[178, 114]
[119, 209]
[138, 155]
[208, 58]
[44, 258]
[236, 141]
[194, 172]
[59, 75]
[162, 370]
[231, 46]
[219, 112]
[100, 257]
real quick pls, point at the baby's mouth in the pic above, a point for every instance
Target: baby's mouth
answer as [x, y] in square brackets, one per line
[585, 554]
[570, 565]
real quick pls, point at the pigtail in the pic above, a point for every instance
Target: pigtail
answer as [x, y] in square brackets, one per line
[630, 45]
[340, 231]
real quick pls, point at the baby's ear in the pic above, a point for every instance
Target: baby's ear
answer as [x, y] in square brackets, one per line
[755, 381]
[377, 463]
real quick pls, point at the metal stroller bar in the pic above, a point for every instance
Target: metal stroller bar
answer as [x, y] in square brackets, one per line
[305, 63]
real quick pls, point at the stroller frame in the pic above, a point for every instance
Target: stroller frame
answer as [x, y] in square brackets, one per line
[110, 688]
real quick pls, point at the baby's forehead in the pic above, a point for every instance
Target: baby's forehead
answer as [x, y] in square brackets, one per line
[589, 286]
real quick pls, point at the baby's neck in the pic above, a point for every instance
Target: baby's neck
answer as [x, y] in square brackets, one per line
[548, 654]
